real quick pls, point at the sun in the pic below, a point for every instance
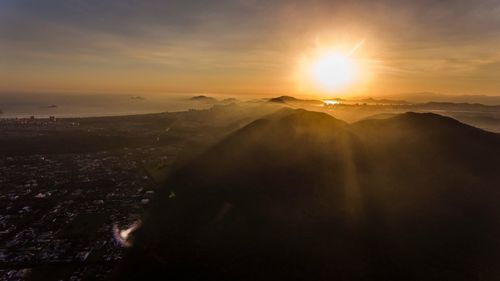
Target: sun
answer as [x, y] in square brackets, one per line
[334, 68]
[332, 71]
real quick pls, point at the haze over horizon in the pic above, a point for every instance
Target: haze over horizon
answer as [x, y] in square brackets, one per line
[247, 46]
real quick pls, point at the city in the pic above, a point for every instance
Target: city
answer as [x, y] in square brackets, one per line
[65, 209]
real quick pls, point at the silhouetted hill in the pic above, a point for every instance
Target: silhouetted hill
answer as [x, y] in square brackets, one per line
[436, 97]
[203, 98]
[301, 195]
[293, 100]
[460, 106]
[283, 99]
[137, 98]
[434, 135]
[377, 101]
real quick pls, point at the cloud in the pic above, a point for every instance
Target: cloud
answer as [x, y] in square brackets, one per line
[404, 37]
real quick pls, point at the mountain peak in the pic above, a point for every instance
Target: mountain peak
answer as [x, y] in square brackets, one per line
[376, 200]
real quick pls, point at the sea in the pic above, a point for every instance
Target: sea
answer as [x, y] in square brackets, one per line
[24, 105]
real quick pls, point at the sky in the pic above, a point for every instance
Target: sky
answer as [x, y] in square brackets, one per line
[246, 46]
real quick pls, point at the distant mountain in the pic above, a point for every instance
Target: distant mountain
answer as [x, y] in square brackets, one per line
[138, 98]
[435, 97]
[203, 99]
[458, 106]
[301, 195]
[229, 100]
[373, 101]
[293, 100]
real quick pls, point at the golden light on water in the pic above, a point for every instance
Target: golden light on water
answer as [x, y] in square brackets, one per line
[330, 102]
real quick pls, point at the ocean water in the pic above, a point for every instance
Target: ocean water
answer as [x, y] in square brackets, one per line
[24, 105]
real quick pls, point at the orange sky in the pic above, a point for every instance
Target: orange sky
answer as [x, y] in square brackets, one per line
[246, 46]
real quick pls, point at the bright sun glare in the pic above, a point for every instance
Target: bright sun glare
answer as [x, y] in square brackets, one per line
[332, 71]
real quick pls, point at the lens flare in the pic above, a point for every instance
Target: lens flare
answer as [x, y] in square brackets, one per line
[122, 236]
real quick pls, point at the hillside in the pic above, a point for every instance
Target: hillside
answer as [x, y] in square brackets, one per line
[295, 101]
[301, 195]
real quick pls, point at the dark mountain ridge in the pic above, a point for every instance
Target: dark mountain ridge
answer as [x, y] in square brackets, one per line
[301, 195]
[294, 100]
